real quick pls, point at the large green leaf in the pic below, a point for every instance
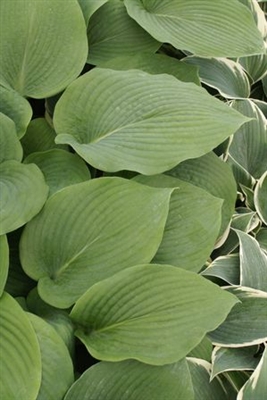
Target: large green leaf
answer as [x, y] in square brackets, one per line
[152, 313]
[213, 175]
[20, 366]
[192, 226]
[253, 262]
[89, 7]
[120, 36]
[16, 108]
[256, 386]
[23, 193]
[41, 35]
[246, 324]
[198, 26]
[262, 238]
[9, 143]
[141, 122]
[57, 368]
[133, 380]
[227, 76]
[89, 231]
[4, 262]
[260, 196]
[60, 168]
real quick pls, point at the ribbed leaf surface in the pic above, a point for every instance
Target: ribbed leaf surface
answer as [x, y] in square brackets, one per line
[9, 143]
[4, 262]
[260, 198]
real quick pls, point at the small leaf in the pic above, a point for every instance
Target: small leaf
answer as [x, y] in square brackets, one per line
[260, 197]
[133, 380]
[140, 122]
[244, 219]
[256, 66]
[4, 262]
[73, 242]
[23, 193]
[20, 367]
[152, 313]
[226, 268]
[121, 36]
[190, 26]
[9, 143]
[246, 323]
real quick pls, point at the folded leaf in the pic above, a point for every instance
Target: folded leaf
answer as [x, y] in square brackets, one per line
[226, 268]
[9, 143]
[4, 262]
[260, 197]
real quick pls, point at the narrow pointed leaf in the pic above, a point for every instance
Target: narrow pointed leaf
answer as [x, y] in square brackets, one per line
[133, 380]
[189, 236]
[179, 24]
[89, 231]
[227, 76]
[256, 386]
[23, 193]
[9, 143]
[146, 312]
[57, 368]
[4, 262]
[20, 367]
[121, 36]
[246, 324]
[160, 126]
[41, 34]
[260, 198]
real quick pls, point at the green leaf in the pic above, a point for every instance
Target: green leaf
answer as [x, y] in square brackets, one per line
[20, 367]
[227, 76]
[60, 168]
[192, 225]
[121, 36]
[246, 323]
[242, 177]
[155, 64]
[16, 108]
[226, 268]
[140, 122]
[252, 136]
[151, 313]
[256, 66]
[41, 35]
[244, 219]
[90, 231]
[260, 196]
[89, 7]
[261, 237]
[256, 386]
[23, 194]
[190, 26]
[133, 380]
[253, 262]
[203, 350]
[57, 368]
[4, 262]
[213, 175]
[9, 143]
[227, 359]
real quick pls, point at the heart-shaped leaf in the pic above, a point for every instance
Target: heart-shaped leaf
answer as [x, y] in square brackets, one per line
[190, 26]
[9, 143]
[146, 312]
[4, 262]
[20, 367]
[89, 231]
[41, 34]
[140, 122]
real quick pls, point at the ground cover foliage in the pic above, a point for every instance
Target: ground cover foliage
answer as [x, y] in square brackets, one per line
[133, 179]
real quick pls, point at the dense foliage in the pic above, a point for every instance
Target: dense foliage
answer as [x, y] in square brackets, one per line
[133, 184]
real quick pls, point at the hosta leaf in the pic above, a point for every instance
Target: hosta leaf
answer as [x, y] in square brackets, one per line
[89, 7]
[256, 386]
[140, 122]
[200, 375]
[121, 36]
[192, 226]
[190, 26]
[9, 143]
[60, 168]
[4, 262]
[203, 350]
[256, 66]
[227, 76]
[252, 136]
[226, 268]
[41, 34]
[246, 324]
[155, 64]
[253, 262]
[213, 175]
[133, 380]
[20, 367]
[16, 108]
[57, 368]
[89, 231]
[260, 197]
[227, 359]
[152, 313]
[244, 219]
[23, 193]
[261, 237]
[242, 177]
